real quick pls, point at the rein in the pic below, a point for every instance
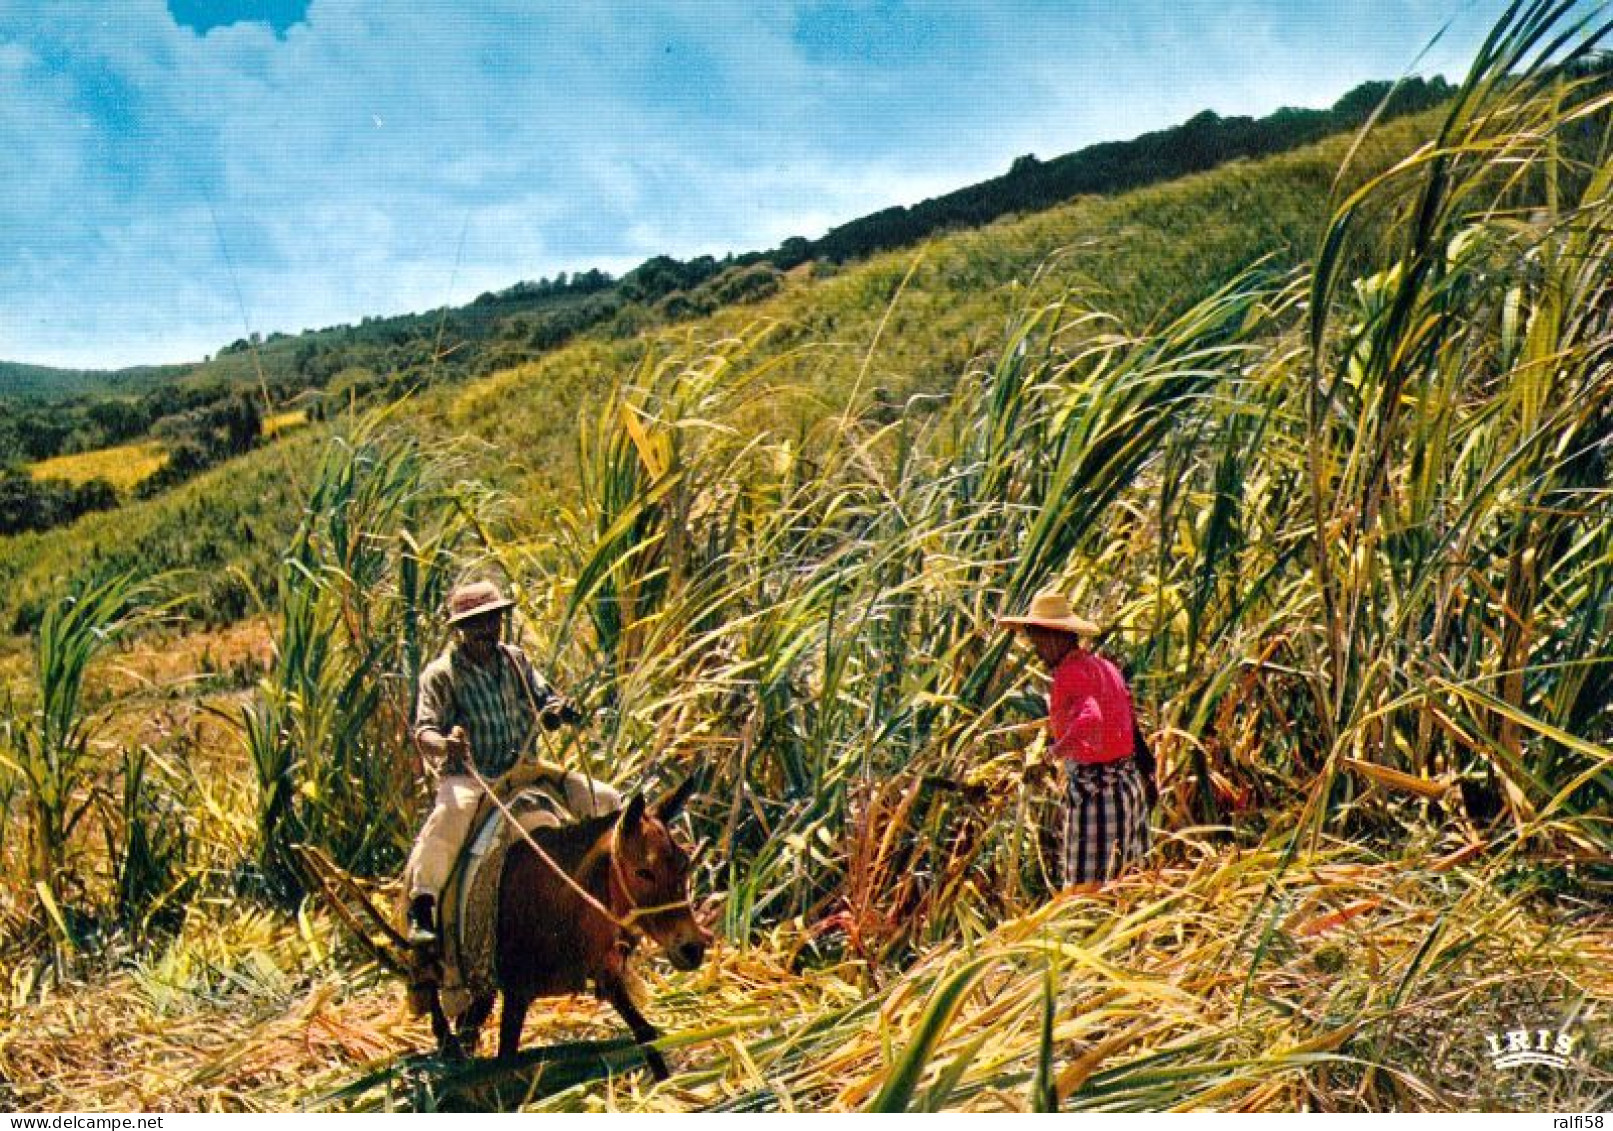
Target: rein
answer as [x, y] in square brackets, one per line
[636, 912]
[565, 876]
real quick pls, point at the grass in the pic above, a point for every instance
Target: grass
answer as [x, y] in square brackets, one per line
[47, 747]
[1375, 993]
[125, 466]
[284, 422]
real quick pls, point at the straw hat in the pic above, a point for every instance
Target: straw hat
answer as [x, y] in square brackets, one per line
[1052, 610]
[475, 599]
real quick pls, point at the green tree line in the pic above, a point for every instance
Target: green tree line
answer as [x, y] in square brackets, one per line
[382, 356]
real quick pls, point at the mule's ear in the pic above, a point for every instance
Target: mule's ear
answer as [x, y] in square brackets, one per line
[672, 804]
[632, 814]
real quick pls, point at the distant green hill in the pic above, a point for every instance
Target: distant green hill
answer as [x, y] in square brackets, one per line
[41, 381]
[1141, 256]
[1203, 142]
[526, 320]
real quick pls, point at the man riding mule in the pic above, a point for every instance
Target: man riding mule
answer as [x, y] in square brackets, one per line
[480, 705]
[558, 885]
[573, 906]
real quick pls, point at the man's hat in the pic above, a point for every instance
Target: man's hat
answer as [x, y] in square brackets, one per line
[1051, 610]
[475, 599]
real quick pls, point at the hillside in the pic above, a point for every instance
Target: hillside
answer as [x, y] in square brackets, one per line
[910, 324]
[202, 414]
[528, 318]
[44, 383]
[1144, 256]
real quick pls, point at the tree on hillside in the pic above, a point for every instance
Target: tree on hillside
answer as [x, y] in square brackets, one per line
[28, 504]
[241, 423]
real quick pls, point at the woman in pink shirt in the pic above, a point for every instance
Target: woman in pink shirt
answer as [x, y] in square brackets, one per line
[1094, 734]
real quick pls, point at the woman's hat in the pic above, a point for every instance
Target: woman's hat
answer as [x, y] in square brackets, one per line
[1052, 610]
[475, 599]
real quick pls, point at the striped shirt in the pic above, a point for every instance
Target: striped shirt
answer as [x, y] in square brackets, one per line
[497, 703]
[1089, 710]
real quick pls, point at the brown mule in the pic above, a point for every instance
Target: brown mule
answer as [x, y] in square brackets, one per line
[552, 941]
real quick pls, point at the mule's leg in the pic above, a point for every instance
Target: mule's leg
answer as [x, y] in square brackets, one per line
[509, 1024]
[447, 1044]
[614, 991]
[470, 1025]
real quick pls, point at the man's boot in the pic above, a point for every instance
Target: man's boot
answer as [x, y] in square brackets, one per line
[423, 922]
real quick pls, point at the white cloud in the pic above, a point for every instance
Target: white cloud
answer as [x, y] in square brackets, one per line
[329, 173]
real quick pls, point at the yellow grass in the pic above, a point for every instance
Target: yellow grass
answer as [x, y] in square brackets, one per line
[284, 422]
[1156, 1008]
[124, 466]
[128, 465]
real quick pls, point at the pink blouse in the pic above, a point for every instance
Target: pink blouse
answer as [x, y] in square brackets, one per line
[1089, 710]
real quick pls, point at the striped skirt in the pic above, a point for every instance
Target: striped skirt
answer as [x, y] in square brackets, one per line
[1105, 820]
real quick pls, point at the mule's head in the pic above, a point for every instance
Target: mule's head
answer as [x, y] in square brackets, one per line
[653, 869]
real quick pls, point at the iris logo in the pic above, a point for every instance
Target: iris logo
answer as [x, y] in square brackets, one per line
[1518, 1047]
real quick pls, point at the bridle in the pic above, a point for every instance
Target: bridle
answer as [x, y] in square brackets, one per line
[636, 910]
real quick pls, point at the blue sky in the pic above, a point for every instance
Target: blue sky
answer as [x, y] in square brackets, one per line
[174, 173]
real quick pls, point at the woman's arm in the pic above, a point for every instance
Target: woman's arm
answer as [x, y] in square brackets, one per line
[1146, 766]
